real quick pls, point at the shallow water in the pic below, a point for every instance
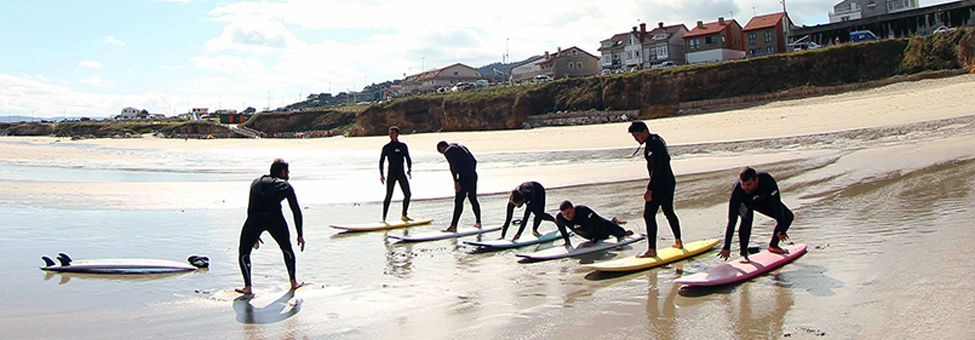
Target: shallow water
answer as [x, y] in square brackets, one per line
[887, 213]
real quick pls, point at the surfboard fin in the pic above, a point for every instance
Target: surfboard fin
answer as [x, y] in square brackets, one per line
[48, 262]
[64, 259]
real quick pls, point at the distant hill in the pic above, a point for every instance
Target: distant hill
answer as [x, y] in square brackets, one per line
[498, 72]
[21, 119]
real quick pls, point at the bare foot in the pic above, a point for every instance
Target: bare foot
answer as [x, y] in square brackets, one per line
[629, 233]
[678, 244]
[476, 226]
[245, 291]
[405, 218]
[296, 285]
[783, 237]
[536, 233]
[744, 259]
[648, 253]
[775, 250]
[450, 229]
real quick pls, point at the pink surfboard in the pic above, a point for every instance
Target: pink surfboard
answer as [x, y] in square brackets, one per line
[734, 271]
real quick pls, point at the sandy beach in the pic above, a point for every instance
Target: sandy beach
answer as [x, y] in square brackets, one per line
[881, 181]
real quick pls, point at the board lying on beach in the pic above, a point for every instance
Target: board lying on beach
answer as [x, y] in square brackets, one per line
[440, 235]
[735, 271]
[558, 252]
[508, 244]
[381, 226]
[664, 256]
[123, 266]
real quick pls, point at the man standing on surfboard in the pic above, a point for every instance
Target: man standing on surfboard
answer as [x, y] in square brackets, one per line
[755, 191]
[463, 170]
[397, 152]
[264, 213]
[660, 189]
[533, 194]
[588, 224]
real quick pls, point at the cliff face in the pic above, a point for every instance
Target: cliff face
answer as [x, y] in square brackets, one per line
[27, 129]
[659, 93]
[197, 130]
[271, 123]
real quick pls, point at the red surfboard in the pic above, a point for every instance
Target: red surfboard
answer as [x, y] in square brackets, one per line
[735, 271]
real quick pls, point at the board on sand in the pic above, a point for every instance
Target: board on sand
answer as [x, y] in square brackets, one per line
[440, 235]
[735, 271]
[123, 266]
[558, 252]
[381, 226]
[508, 244]
[664, 256]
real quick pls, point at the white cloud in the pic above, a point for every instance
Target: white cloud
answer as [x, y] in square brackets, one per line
[113, 41]
[228, 64]
[97, 81]
[252, 34]
[90, 64]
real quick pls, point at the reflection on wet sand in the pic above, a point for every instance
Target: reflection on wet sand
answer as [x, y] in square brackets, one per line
[278, 310]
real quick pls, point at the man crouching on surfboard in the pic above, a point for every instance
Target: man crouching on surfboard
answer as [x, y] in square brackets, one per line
[588, 224]
[755, 191]
[264, 213]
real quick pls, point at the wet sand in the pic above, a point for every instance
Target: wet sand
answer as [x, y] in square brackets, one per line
[884, 205]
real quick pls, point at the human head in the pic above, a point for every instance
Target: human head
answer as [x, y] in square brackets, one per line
[748, 179]
[442, 146]
[639, 131]
[517, 198]
[279, 169]
[567, 209]
[394, 133]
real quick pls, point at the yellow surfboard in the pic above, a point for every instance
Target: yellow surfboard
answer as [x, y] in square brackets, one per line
[382, 226]
[664, 256]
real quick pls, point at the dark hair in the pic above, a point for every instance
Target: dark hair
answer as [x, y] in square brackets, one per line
[565, 205]
[747, 174]
[517, 196]
[441, 145]
[277, 166]
[394, 128]
[638, 126]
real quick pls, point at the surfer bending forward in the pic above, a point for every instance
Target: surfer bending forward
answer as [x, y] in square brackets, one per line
[264, 213]
[755, 191]
[463, 170]
[588, 224]
[533, 194]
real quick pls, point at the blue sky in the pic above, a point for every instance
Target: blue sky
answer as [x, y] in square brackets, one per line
[96, 57]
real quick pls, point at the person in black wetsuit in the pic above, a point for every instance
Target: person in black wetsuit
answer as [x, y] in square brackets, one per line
[533, 194]
[264, 213]
[463, 170]
[755, 191]
[588, 224]
[660, 189]
[397, 152]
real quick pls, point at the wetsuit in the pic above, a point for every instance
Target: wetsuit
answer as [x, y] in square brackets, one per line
[264, 213]
[397, 152]
[589, 225]
[764, 199]
[662, 185]
[463, 169]
[534, 195]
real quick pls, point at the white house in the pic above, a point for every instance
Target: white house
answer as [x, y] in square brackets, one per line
[129, 113]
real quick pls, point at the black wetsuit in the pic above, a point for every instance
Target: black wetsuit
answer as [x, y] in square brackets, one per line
[662, 185]
[397, 152]
[589, 225]
[463, 169]
[764, 199]
[534, 195]
[264, 213]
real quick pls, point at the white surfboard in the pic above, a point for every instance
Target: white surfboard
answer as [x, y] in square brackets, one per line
[508, 244]
[381, 226]
[440, 235]
[558, 252]
[122, 266]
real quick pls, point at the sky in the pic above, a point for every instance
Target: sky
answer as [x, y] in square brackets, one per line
[95, 57]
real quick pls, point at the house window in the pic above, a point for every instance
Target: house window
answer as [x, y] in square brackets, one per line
[722, 39]
[752, 39]
[579, 65]
[708, 40]
[694, 43]
[768, 36]
[571, 66]
[756, 51]
[455, 73]
[770, 50]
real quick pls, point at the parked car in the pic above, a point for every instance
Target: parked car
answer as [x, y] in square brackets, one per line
[606, 72]
[666, 64]
[857, 36]
[443, 89]
[461, 86]
[942, 29]
[481, 83]
[541, 78]
[804, 43]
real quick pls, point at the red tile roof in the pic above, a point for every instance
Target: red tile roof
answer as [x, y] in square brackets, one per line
[709, 28]
[764, 21]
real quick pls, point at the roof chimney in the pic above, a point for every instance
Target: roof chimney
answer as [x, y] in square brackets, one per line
[660, 24]
[559, 50]
[546, 54]
[721, 21]
[700, 24]
[634, 28]
[643, 28]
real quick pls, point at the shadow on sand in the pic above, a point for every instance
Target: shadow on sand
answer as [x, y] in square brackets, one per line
[278, 310]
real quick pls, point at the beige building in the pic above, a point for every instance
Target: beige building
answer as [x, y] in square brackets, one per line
[430, 81]
[568, 63]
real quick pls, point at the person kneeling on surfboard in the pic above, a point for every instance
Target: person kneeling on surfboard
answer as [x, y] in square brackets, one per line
[755, 191]
[588, 224]
[463, 170]
[264, 213]
[533, 194]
